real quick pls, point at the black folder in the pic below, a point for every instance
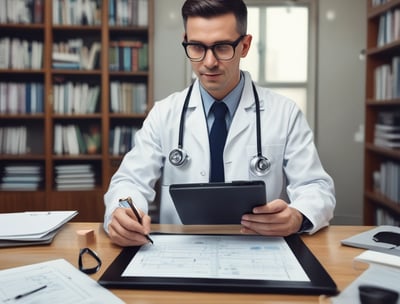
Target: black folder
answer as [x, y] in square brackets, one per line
[319, 280]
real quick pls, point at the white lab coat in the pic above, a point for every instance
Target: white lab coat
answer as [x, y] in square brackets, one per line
[296, 174]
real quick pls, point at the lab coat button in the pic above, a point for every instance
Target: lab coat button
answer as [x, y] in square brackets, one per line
[202, 173]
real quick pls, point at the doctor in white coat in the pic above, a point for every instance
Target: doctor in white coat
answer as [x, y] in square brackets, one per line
[300, 194]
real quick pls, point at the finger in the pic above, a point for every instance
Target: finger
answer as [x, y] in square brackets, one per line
[123, 230]
[269, 218]
[126, 238]
[266, 229]
[274, 206]
[146, 223]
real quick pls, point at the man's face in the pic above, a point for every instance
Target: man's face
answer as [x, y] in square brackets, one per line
[217, 77]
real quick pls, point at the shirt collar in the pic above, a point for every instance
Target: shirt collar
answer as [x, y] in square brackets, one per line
[231, 100]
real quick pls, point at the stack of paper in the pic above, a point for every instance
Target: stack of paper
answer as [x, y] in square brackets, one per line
[31, 228]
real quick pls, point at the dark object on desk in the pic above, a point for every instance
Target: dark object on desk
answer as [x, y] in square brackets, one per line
[319, 282]
[216, 203]
[377, 295]
[93, 255]
[387, 237]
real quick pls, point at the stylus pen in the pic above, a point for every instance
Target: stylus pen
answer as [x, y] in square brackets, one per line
[27, 293]
[137, 214]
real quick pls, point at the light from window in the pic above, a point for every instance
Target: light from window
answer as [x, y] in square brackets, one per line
[278, 57]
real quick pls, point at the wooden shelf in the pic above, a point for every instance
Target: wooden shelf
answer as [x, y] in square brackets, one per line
[376, 157]
[40, 126]
[376, 11]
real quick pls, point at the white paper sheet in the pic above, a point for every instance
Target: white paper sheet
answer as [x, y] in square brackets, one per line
[215, 256]
[64, 285]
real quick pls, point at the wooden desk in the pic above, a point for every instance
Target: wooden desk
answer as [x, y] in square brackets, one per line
[325, 245]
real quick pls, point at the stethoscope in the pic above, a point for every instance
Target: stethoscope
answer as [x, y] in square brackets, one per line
[259, 164]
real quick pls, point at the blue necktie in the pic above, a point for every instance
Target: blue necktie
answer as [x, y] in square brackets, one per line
[217, 141]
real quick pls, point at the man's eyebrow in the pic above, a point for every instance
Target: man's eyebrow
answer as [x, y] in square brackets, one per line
[215, 42]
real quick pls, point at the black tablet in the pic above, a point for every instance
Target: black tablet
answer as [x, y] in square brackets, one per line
[216, 203]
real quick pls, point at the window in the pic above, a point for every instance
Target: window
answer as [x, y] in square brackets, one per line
[282, 53]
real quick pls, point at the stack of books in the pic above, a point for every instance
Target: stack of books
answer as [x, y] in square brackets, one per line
[128, 12]
[76, 12]
[71, 140]
[387, 130]
[387, 180]
[21, 177]
[122, 139]
[21, 11]
[127, 97]
[75, 177]
[128, 55]
[17, 53]
[78, 98]
[75, 55]
[21, 97]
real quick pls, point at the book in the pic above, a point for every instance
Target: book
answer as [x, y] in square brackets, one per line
[90, 56]
[66, 57]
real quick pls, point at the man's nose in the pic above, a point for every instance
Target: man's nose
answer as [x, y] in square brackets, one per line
[209, 59]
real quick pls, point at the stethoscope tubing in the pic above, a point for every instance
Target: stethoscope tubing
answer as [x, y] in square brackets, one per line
[259, 165]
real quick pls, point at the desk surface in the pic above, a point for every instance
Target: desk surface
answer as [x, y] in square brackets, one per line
[325, 245]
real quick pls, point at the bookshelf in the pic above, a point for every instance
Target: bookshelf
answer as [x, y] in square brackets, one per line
[382, 114]
[58, 117]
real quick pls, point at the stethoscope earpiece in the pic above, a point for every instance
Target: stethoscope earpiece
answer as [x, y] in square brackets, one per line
[259, 165]
[178, 157]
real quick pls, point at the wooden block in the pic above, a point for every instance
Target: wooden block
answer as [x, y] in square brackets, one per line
[86, 238]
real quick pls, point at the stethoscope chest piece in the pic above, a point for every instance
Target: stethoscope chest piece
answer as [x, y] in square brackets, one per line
[260, 165]
[178, 157]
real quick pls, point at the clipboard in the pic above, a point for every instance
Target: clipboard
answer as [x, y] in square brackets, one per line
[216, 203]
[319, 281]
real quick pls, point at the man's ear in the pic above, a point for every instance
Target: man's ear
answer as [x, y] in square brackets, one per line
[246, 45]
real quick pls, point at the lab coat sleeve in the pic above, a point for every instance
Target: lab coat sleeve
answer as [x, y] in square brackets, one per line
[139, 170]
[310, 188]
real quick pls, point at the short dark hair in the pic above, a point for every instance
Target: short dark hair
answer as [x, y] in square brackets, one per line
[214, 8]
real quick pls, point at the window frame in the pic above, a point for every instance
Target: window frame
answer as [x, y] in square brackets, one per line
[310, 85]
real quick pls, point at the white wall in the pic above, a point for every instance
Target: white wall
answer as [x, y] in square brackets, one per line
[340, 101]
[340, 89]
[169, 56]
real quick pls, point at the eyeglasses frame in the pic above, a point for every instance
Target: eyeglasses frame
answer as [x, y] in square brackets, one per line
[233, 44]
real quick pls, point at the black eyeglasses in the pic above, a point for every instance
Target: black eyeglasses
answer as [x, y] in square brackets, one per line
[93, 255]
[222, 50]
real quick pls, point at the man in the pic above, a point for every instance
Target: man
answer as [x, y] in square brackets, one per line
[300, 193]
